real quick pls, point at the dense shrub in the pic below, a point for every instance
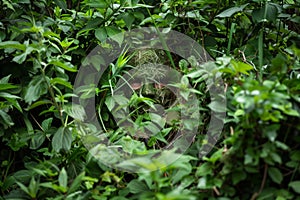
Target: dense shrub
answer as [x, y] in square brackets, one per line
[256, 49]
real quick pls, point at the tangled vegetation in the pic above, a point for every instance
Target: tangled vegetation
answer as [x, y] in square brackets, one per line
[255, 46]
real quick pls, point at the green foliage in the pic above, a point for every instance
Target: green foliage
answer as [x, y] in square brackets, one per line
[256, 50]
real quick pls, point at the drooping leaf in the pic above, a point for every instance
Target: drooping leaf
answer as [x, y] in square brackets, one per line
[230, 11]
[36, 88]
[62, 139]
[275, 175]
[61, 81]
[7, 86]
[13, 45]
[22, 57]
[295, 185]
[64, 65]
[6, 118]
[39, 103]
[37, 140]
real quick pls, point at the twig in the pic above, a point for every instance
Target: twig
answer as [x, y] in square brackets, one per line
[254, 196]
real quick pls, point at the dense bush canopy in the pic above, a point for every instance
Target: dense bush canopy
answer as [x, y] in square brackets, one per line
[255, 50]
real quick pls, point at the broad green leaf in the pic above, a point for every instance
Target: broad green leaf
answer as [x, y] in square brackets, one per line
[6, 118]
[8, 4]
[93, 24]
[295, 185]
[205, 169]
[136, 186]
[52, 186]
[202, 183]
[214, 157]
[46, 124]
[295, 155]
[156, 118]
[5, 79]
[22, 57]
[35, 89]
[110, 103]
[37, 140]
[62, 139]
[8, 182]
[75, 111]
[132, 3]
[33, 187]
[61, 81]
[121, 100]
[7, 86]
[23, 175]
[63, 179]
[97, 61]
[241, 67]
[271, 131]
[61, 3]
[64, 65]
[115, 34]
[128, 19]
[268, 12]
[275, 175]
[64, 28]
[101, 34]
[8, 95]
[281, 145]
[181, 173]
[239, 112]
[13, 45]
[217, 106]
[23, 187]
[39, 103]
[12, 99]
[238, 176]
[276, 157]
[132, 146]
[139, 15]
[152, 128]
[76, 183]
[230, 11]
[28, 124]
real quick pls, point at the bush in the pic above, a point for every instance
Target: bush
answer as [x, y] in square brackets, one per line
[255, 49]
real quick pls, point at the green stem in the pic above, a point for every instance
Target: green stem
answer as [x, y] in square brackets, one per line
[261, 46]
[261, 54]
[232, 29]
[53, 98]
